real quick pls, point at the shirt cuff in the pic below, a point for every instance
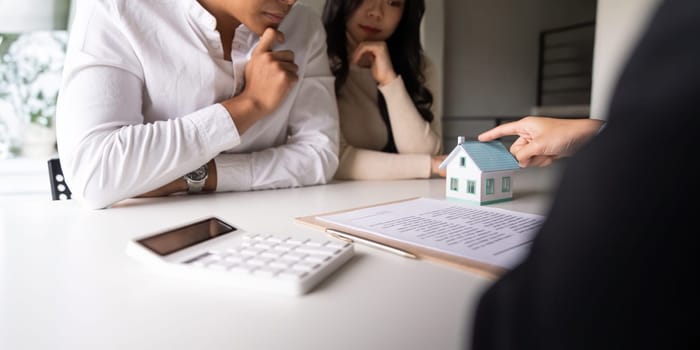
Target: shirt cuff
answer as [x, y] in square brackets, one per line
[215, 128]
[234, 172]
[396, 86]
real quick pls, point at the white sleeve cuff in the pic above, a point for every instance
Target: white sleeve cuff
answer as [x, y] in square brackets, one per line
[215, 127]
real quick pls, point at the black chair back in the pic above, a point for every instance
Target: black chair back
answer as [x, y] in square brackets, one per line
[59, 189]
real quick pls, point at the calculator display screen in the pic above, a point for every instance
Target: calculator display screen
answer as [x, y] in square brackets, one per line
[186, 236]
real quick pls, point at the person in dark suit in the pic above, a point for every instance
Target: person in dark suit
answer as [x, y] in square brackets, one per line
[614, 263]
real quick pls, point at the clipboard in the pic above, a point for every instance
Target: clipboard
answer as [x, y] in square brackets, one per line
[459, 262]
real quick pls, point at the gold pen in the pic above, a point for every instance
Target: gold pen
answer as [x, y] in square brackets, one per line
[344, 236]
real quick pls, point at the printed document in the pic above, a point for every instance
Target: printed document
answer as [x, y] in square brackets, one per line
[489, 235]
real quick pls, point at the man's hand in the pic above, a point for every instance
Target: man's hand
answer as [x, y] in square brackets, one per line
[269, 77]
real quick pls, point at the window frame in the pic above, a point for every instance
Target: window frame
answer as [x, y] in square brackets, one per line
[454, 184]
[490, 186]
[505, 184]
[471, 186]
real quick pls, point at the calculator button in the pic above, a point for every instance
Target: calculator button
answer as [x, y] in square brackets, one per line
[281, 264]
[209, 260]
[266, 271]
[304, 266]
[312, 243]
[258, 261]
[296, 240]
[277, 239]
[317, 250]
[317, 258]
[284, 247]
[337, 245]
[252, 251]
[264, 245]
[199, 260]
[293, 256]
[234, 258]
[273, 254]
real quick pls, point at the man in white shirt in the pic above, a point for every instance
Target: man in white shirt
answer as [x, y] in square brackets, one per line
[154, 90]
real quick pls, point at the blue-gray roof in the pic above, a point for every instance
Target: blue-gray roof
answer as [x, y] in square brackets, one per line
[490, 156]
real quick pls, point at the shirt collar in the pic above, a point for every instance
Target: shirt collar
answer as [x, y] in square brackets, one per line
[207, 22]
[201, 16]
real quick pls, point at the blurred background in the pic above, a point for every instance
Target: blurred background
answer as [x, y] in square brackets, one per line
[499, 60]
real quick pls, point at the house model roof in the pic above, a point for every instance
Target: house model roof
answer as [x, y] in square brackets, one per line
[488, 156]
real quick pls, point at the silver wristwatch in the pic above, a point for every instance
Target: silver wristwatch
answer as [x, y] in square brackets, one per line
[197, 178]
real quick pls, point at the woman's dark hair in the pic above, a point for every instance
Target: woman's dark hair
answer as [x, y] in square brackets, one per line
[404, 48]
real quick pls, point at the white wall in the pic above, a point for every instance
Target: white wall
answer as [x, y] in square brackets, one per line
[490, 57]
[618, 27]
[491, 52]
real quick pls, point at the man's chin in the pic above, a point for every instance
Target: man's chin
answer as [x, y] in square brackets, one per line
[260, 29]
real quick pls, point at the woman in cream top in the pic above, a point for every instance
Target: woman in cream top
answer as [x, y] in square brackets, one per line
[390, 128]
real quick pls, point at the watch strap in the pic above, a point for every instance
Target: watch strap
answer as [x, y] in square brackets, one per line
[197, 179]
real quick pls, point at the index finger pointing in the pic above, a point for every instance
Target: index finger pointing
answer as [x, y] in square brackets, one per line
[500, 131]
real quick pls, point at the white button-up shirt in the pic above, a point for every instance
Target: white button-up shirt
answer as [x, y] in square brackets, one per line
[139, 103]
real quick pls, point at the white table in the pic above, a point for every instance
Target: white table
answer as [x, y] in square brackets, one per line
[66, 283]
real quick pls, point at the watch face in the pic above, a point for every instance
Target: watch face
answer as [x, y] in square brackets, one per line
[199, 174]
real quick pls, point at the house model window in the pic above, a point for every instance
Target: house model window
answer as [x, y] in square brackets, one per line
[471, 186]
[454, 184]
[489, 186]
[505, 184]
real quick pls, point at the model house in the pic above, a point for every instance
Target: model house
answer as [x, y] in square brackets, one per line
[479, 172]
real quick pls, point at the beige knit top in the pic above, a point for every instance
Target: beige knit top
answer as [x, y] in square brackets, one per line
[364, 134]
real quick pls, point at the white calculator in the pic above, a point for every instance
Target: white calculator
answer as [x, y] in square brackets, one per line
[212, 249]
